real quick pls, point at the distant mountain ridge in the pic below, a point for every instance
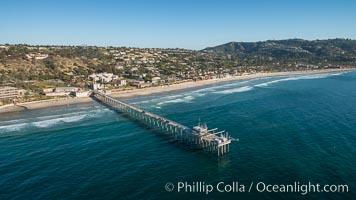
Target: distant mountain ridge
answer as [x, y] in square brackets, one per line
[294, 48]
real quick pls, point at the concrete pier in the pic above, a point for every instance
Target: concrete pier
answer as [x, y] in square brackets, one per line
[199, 136]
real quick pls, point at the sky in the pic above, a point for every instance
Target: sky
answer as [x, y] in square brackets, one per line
[190, 24]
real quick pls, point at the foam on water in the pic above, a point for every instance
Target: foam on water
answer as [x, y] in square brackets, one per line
[295, 78]
[50, 120]
[226, 88]
[2, 123]
[187, 96]
[12, 127]
[215, 88]
[96, 111]
[235, 90]
[177, 100]
[294, 136]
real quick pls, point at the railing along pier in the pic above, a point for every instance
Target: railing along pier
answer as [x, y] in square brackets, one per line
[199, 136]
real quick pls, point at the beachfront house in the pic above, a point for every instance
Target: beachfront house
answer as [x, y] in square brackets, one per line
[140, 84]
[156, 80]
[120, 82]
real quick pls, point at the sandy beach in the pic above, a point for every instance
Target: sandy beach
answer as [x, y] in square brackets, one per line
[153, 90]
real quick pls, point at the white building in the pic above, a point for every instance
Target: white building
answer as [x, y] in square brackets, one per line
[96, 86]
[102, 80]
[121, 82]
[66, 89]
[155, 80]
[7, 92]
[37, 56]
[103, 77]
[82, 94]
[60, 91]
[119, 67]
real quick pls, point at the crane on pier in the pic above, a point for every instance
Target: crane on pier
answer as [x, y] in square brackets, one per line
[199, 136]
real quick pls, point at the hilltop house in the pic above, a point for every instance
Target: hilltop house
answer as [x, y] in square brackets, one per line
[36, 56]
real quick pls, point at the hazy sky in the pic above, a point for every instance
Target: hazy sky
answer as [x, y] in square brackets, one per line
[192, 24]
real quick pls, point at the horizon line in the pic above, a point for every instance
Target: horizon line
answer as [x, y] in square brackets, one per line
[182, 48]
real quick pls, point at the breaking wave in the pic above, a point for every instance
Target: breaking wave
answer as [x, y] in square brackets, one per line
[177, 100]
[294, 78]
[186, 97]
[13, 127]
[225, 88]
[235, 90]
[49, 120]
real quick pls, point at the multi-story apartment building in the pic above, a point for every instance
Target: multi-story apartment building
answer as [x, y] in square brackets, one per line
[7, 92]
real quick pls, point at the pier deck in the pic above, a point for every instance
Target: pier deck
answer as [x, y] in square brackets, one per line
[200, 137]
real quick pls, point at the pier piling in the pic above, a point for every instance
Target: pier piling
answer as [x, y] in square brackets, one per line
[198, 137]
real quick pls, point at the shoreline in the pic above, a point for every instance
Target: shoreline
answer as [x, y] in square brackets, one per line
[156, 90]
[187, 85]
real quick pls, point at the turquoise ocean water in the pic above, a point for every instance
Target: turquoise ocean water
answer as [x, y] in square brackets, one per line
[291, 129]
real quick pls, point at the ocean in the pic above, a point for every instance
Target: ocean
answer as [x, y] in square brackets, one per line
[292, 130]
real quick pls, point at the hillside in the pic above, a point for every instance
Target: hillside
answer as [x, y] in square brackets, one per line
[35, 67]
[333, 50]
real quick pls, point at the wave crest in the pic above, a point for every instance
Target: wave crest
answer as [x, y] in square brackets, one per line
[51, 122]
[235, 90]
[177, 100]
[294, 78]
